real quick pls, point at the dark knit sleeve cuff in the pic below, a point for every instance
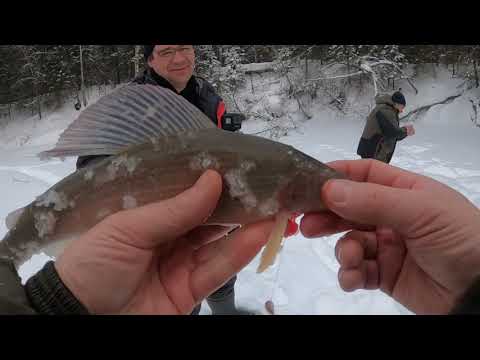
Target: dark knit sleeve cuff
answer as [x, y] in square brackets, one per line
[469, 303]
[48, 294]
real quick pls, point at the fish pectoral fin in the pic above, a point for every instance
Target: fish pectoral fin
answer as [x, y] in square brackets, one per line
[12, 218]
[274, 243]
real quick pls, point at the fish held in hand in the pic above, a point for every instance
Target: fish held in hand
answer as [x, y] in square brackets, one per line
[160, 144]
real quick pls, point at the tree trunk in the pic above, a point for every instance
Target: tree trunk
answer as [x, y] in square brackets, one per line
[82, 82]
[476, 73]
[348, 64]
[306, 67]
[117, 67]
[34, 96]
[39, 104]
[35, 85]
[118, 74]
[10, 112]
[218, 53]
[137, 60]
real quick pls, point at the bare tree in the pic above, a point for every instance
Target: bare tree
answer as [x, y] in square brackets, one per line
[82, 80]
[33, 75]
[136, 60]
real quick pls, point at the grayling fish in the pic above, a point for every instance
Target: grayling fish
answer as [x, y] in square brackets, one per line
[160, 145]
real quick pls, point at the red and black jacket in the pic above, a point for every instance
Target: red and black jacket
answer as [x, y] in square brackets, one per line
[198, 91]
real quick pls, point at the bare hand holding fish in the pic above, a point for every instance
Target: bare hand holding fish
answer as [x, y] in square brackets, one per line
[158, 259]
[422, 248]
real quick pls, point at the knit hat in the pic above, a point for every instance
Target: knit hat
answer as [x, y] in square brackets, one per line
[398, 98]
[147, 51]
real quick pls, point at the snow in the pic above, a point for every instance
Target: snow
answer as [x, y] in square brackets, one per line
[303, 279]
[257, 67]
[52, 197]
[130, 164]
[204, 161]
[45, 222]
[88, 175]
[129, 202]
[238, 185]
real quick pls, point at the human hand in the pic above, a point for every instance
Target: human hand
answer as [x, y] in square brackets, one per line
[410, 130]
[157, 259]
[410, 236]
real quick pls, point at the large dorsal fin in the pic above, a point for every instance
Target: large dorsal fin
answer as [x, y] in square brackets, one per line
[130, 115]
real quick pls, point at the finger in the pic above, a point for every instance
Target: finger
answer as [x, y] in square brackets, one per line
[378, 205]
[365, 276]
[165, 220]
[351, 279]
[358, 248]
[206, 234]
[377, 172]
[367, 240]
[349, 254]
[323, 224]
[373, 275]
[315, 225]
[217, 262]
[355, 247]
[175, 253]
[390, 258]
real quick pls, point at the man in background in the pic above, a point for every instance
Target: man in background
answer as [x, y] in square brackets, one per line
[382, 129]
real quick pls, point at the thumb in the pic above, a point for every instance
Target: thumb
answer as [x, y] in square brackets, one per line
[374, 204]
[162, 221]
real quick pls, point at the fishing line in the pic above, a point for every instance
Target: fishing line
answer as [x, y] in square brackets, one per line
[276, 277]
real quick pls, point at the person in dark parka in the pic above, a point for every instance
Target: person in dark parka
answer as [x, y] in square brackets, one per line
[382, 130]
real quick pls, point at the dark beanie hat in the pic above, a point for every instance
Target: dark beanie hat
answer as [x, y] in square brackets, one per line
[147, 51]
[398, 98]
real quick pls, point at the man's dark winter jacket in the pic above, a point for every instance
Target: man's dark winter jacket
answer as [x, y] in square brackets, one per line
[381, 131]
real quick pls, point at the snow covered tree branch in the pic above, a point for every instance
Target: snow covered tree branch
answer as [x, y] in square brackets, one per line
[367, 65]
[337, 77]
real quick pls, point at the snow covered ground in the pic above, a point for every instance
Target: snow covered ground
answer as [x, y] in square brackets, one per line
[304, 279]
